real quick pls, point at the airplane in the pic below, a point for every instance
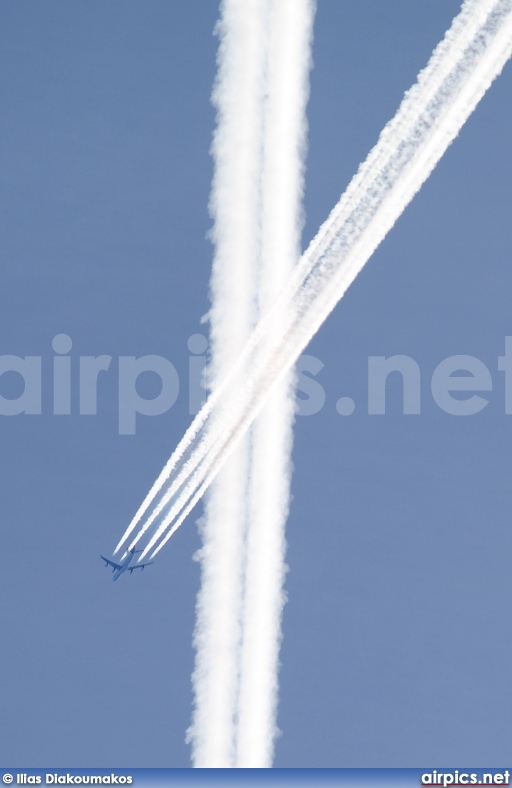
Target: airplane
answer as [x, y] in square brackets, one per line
[119, 569]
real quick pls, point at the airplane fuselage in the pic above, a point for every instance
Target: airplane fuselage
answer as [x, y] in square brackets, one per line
[124, 566]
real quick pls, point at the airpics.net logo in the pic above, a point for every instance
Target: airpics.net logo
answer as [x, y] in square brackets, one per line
[456, 383]
[460, 777]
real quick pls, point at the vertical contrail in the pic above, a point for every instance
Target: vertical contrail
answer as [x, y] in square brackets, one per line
[290, 33]
[235, 207]
[259, 222]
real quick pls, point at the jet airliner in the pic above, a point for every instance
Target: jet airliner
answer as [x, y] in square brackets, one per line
[119, 569]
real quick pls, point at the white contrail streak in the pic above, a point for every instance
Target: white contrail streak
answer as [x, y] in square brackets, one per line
[448, 54]
[291, 24]
[235, 204]
[433, 111]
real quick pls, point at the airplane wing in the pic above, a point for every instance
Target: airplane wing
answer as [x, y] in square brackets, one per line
[112, 563]
[139, 566]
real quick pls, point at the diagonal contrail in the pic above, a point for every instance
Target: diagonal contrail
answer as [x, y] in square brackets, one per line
[463, 31]
[461, 69]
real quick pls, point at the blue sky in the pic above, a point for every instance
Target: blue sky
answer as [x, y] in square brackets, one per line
[397, 631]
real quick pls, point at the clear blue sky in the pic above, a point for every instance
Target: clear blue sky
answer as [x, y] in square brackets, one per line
[397, 632]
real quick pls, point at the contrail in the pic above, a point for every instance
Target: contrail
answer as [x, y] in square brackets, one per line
[461, 69]
[235, 208]
[289, 48]
[445, 59]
